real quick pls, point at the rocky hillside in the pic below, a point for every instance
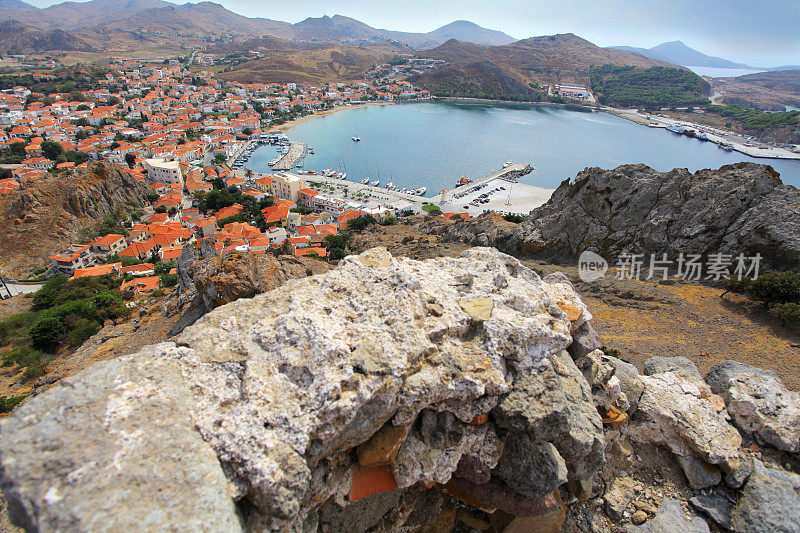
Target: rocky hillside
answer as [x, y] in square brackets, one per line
[16, 37]
[740, 208]
[547, 59]
[392, 393]
[49, 212]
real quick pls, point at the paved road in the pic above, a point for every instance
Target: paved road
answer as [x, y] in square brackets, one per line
[17, 288]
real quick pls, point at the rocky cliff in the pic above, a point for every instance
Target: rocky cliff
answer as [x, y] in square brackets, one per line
[396, 394]
[49, 211]
[739, 208]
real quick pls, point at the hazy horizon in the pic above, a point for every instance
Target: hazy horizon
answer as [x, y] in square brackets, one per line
[761, 34]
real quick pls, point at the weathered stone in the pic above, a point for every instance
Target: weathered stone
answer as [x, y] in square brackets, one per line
[638, 518]
[606, 386]
[770, 501]
[700, 474]
[740, 208]
[718, 508]
[531, 467]
[629, 381]
[681, 367]
[759, 403]
[478, 309]
[619, 495]
[739, 476]
[280, 388]
[497, 495]
[671, 518]
[473, 469]
[113, 448]
[672, 413]
[584, 341]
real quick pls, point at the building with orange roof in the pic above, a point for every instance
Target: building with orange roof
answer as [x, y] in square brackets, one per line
[142, 269]
[347, 216]
[97, 270]
[229, 211]
[168, 253]
[141, 285]
[138, 250]
[110, 244]
[72, 257]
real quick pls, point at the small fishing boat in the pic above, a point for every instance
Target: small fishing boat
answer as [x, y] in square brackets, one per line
[356, 138]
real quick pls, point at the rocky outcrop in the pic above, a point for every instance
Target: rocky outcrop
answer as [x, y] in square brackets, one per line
[207, 280]
[446, 372]
[769, 502]
[759, 403]
[739, 208]
[49, 211]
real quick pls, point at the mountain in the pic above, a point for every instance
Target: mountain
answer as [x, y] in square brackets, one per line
[198, 19]
[16, 37]
[15, 4]
[678, 53]
[515, 70]
[73, 15]
[764, 90]
[341, 28]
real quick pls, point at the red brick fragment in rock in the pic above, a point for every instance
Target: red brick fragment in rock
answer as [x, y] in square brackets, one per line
[369, 481]
[382, 447]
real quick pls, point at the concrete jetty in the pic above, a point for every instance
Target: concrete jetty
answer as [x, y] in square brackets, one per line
[297, 151]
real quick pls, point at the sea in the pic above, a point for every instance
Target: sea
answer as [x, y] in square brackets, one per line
[434, 144]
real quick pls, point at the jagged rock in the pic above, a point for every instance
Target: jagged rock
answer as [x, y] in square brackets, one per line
[585, 340]
[718, 508]
[759, 403]
[619, 495]
[207, 280]
[681, 367]
[606, 386]
[769, 502]
[742, 208]
[700, 474]
[672, 413]
[671, 518]
[113, 448]
[285, 386]
[739, 476]
[531, 467]
[629, 381]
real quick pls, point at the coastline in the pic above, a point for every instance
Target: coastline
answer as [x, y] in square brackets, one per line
[283, 128]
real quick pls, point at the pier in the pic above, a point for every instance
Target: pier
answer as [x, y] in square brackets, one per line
[297, 151]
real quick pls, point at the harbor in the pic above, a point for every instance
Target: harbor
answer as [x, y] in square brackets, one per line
[291, 157]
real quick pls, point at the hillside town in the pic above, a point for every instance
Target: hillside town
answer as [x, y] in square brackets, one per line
[179, 134]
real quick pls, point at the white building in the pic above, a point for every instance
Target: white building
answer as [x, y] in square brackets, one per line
[287, 186]
[159, 170]
[12, 117]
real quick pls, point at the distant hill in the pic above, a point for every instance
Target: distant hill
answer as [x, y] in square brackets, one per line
[678, 53]
[16, 37]
[549, 59]
[763, 90]
[73, 15]
[103, 20]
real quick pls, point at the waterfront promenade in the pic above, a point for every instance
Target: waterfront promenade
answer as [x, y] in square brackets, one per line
[297, 151]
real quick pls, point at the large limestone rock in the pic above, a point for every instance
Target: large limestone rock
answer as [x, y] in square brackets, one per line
[282, 393]
[672, 412]
[739, 208]
[759, 403]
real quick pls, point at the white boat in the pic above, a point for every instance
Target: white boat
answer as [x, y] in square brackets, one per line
[507, 164]
[421, 191]
[344, 175]
[356, 138]
[376, 183]
[365, 181]
[390, 185]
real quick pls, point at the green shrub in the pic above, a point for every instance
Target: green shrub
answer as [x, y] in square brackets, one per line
[169, 280]
[46, 334]
[81, 331]
[432, 209]
[45, 296]
[359, 223]
[21, 356]
[8, 403]
[14, 329]
[390, 221]
[788, 312]
[514, 218]
[776, 287]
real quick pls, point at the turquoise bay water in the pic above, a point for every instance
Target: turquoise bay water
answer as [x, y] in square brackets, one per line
[434, 144]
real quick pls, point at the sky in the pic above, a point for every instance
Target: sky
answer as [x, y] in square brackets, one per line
[755, 32]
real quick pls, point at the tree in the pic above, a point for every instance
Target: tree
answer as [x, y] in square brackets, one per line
[161, 209]
[46, 333]
[130, 159]
[51, 150]
[247, 131]
[219, 159]
[83, 107]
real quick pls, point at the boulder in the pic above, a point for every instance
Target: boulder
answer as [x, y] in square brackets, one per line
[700, 474]
[759, 403]
[671, 518]
[629, 381]
[272, 401]
[681, 367]
[672, 413]
[715, 506]
[770, 501]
